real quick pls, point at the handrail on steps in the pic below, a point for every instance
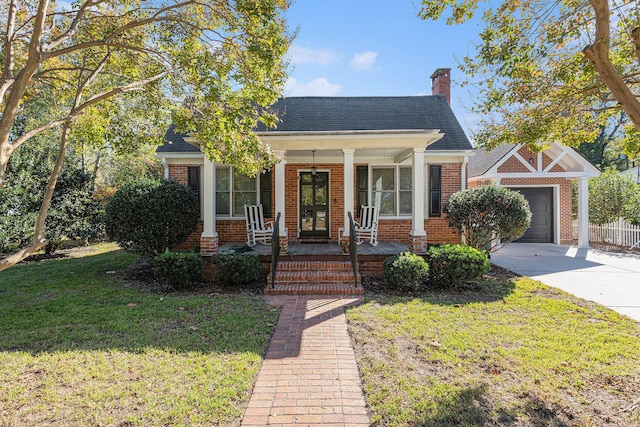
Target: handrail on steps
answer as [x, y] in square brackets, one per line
[275, 249]
[353, 249]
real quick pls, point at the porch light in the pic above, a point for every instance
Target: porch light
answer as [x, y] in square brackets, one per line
[314, 169]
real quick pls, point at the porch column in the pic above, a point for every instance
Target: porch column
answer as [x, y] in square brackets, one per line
[418, 237]
[348, 190]
[280, 190]
[209, 238]
[583, 212]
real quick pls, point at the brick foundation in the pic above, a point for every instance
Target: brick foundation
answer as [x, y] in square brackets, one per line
[418, 244]
[209, 245]
[284, 244]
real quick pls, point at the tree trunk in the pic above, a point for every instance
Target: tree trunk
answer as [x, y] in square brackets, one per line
[598, 54]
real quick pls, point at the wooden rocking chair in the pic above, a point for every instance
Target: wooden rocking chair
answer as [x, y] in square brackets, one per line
[257, 229]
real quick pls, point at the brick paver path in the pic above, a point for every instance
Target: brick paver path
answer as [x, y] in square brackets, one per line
[309, 376]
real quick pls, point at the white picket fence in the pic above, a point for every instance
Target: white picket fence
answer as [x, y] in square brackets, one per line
[618, 233]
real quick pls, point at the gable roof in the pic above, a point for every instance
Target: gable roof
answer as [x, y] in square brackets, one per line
[484, 159]
[338, 114]
[486, 163]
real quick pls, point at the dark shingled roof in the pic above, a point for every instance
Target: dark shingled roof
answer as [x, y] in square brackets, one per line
[484, 160]
[334, 114]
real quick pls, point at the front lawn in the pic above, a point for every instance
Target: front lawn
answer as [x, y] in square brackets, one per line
[79, 346]
[509, 353]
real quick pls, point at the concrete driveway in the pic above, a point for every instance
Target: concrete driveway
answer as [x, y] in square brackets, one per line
[610, 279]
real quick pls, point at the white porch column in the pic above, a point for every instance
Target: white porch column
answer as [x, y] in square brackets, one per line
[280, 190]
[418, 237]
[583, 212]
[417, 217]
[209, 238]
[348, 188]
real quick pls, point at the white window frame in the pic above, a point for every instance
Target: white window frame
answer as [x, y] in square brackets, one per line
[396, 189]
[231, 171]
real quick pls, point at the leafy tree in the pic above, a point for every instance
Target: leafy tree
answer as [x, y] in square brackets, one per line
[631, 210]
[73, 213]
[148, 216]
[486, 213]
[545, 67]
[95, 58]
[606, 150]
[609, 196]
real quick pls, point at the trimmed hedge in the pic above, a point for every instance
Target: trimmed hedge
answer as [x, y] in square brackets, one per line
[179, 270]
[148, 216]
[405, 271]
[453, 265]
[233, 270]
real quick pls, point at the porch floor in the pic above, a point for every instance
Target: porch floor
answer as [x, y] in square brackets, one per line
[331, 248]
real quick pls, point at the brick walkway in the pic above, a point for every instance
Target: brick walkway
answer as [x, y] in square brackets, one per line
[309, 376]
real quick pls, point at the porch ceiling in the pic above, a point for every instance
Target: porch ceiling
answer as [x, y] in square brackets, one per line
[357, 140]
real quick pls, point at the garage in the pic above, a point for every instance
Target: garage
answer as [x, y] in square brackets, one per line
[541, 203]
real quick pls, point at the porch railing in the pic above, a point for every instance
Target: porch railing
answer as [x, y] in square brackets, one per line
[353, 249]
[275, 249]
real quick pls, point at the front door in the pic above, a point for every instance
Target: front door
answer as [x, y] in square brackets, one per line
[314, 205]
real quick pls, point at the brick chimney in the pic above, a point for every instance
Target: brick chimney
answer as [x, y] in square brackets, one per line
[441, 83]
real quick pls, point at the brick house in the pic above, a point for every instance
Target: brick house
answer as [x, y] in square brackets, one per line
[405, 154]
[545, 181]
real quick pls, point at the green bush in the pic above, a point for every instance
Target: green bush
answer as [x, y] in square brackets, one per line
[148, 216]
[233, 270]
[180, 270]
[405, 271]
[486, 213]
[453, 265]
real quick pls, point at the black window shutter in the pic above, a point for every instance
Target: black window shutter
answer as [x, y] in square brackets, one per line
[435, 190]
[362, 182]
[193, 180]
[265, 193]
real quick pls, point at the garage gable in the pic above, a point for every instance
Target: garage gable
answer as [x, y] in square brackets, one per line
[518, 161]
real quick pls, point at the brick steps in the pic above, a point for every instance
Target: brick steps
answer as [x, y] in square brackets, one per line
[314, 278]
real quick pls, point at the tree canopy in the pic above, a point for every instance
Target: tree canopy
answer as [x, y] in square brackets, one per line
[551, 70]
[80, 64]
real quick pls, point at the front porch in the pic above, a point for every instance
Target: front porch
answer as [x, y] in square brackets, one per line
[370, 258]
[330, 249]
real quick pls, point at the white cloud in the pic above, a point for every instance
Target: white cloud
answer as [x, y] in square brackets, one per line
[363, 61]
[316, 87]
[301, 55]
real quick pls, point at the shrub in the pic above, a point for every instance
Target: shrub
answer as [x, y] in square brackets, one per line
[233, 270]
[178, 269]
[611, 196]
[454, 265]
[405, 271]
[488, 212]
[148, 216]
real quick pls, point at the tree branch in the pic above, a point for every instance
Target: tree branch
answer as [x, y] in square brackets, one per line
[7, 71]
[598, 54]
[635, 36]
[19, 87]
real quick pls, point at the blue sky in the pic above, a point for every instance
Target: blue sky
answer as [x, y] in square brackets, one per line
[375, 48]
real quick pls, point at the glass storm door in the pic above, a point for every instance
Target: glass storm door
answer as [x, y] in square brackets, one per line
[314, 205]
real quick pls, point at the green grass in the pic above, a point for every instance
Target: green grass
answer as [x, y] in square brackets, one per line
[510, 353]
[78, 346]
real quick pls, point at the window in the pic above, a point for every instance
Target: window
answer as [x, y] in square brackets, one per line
[391, 190]
[234, 190]
[435, 190]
